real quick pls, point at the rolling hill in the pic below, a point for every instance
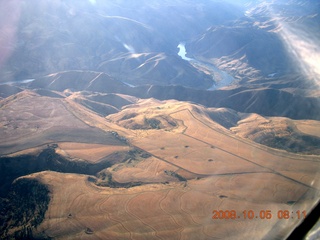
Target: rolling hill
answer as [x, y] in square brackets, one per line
[158, 119]
[143, 156]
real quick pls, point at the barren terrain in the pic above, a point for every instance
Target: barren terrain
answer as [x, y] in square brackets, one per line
[159, 172]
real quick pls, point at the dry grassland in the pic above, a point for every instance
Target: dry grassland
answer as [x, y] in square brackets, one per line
[90, 152]
[266, 158]
[194, 166]
[166, 211]
[148, 170]
[29, 120]
[204, 149]
[309, 127]
[279, 132]
[30, 151]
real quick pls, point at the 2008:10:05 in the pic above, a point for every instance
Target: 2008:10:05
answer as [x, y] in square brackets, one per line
[263, 214]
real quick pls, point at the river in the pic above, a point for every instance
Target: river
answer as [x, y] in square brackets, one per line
[221, 78]
[182, 52]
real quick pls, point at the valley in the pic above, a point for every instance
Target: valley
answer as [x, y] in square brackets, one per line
[111, 127]
[221, 78]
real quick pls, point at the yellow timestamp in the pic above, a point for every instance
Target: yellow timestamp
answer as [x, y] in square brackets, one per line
[262, 214]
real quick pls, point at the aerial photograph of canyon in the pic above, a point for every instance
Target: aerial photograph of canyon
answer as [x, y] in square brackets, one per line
[160, 119]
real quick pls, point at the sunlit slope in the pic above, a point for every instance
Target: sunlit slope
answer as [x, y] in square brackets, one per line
[29, 119]
[291, 135]
[88, 151]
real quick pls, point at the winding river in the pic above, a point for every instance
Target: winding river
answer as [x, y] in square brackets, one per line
[221, 78]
